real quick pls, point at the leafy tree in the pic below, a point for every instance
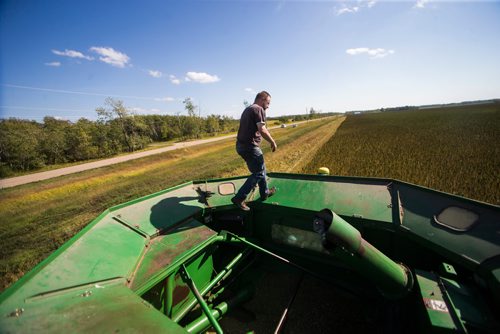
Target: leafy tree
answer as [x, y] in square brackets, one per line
[80, 141]
[212, 124]
[132, 129]
[192, 124]
[53, 142]
[190, 107]
[20, 144]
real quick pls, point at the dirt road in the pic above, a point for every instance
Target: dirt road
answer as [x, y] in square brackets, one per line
[16, 181]
[19, 180]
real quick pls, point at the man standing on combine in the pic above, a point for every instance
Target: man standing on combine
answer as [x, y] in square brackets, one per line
[252, 129]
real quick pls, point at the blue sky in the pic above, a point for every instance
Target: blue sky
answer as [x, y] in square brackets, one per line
[63, 58]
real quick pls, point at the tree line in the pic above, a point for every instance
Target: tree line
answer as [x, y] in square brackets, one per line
[27, 145]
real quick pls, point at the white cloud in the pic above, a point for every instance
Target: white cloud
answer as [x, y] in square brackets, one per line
[174, 80]
[361, 4]
[420, 4]
[53, 64]
[155, 74]
[165, 99]
[111, 56]
[347, 10]
[250, 90]
[72, 54]
[374, 53]
[201, 77]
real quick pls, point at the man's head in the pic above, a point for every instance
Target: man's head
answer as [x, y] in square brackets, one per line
[263, 99]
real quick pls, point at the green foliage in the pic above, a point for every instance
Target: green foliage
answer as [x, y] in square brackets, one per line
[53, 145]
[190, 107]
[131, 129]
[27, 145]
[449, 149]
[20, 144]
[212, 124]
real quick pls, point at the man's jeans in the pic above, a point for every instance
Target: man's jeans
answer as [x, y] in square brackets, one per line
[255, 162]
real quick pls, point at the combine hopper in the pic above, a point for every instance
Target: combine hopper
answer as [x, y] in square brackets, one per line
[325, 254]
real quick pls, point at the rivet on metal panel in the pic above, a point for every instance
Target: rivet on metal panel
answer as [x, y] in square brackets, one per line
[389, 205]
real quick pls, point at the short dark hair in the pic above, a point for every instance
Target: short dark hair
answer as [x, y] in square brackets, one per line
[261, 95]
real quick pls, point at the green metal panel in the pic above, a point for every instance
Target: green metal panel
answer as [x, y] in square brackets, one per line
[454, 306]
[164, 249]
[161, 212]
[201, 271]
[108, 250]
[97, 308]
[371, 201]
[470, 306]
[218, 200]
[440, 315]
[468, 248]
[148, 238]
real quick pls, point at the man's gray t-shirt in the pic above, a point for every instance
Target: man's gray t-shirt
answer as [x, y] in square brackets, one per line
[248, 133]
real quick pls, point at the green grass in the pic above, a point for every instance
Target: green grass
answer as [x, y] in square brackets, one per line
[38, 218]
[455, 150]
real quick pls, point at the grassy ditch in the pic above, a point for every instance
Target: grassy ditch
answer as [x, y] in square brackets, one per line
[38, 218]
[455, 150]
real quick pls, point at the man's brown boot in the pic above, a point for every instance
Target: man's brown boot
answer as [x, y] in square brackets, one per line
[240, 203]
[270, 192]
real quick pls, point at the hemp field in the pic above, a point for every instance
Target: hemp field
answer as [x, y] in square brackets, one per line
[451, 149]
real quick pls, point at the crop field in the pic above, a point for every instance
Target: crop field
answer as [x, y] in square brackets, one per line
[453, 149]
[38, 218]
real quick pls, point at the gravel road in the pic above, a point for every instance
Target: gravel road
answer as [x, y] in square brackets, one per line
[19, 180]
[16, 181]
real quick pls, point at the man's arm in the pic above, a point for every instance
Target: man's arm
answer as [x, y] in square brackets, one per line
[267, 135]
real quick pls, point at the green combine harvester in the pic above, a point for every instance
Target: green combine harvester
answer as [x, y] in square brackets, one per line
[325, 254]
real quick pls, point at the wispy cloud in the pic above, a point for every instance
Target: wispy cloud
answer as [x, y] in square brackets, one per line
[353, 6]
[41, 108]
[72, 54]
[345, 10]
[280, 5]
[53, 64]
[174, 80]
[77, 92]
[201, 77]
[164, 99]
[155, 74]
[420, 4]
[373, 53]
[250, 90]
[111, 56]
